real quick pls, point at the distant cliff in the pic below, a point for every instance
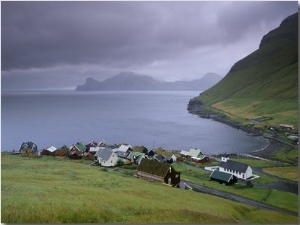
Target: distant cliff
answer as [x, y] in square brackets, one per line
[264, 83]
[128, 81]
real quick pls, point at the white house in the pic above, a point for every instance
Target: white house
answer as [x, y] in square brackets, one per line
[193, 152]
[96, 149]
[52, 149]
[174, 157]
[125, 148]
[184, 153]
[107, 157]
[240, 170]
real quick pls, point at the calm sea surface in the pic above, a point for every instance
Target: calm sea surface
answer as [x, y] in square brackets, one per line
[152, 119]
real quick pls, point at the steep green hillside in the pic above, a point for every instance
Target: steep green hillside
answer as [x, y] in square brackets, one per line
[265, 83]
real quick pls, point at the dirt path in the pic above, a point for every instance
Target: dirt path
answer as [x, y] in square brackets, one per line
[199, 188]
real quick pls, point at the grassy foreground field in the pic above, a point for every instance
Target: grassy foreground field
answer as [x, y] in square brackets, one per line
[49, 190]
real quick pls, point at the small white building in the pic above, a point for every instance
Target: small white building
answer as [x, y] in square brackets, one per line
[107, 157]
[123, 148]
[193, 152]
[52, 149]
[240, 170]
[184, 153]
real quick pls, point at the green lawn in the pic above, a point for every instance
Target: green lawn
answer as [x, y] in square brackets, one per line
[48, 190]
[287, 172]
[287, 154]
[243, 109]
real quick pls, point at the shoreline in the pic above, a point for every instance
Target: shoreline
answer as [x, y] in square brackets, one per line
[274, 146]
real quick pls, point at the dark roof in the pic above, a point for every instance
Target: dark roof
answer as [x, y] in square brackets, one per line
[160, 158]
[123, 154]
[75, 152]
[28, 145]
[141, 149]
[104, 154]
[216, 174]
[153, 167]
[233, 165]
[150, 151]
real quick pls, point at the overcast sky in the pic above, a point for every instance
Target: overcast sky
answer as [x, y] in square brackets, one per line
[60, 44]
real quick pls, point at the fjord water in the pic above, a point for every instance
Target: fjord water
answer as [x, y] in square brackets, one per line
[153, 119]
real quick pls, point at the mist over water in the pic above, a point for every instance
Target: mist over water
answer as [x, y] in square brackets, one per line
[153, 119]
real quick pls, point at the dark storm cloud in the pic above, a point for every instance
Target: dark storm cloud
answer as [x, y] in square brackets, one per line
[145, 36]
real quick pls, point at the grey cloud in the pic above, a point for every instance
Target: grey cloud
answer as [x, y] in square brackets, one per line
[125, 35]
[236, 18]
[47, 34]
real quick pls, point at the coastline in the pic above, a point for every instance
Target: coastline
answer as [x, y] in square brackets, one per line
[197, 108]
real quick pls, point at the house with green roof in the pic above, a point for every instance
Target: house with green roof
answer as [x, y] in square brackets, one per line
[222, 177]
[200, 159]
[157, 171]
[194, 155]
[135, 157]
[78, 146]
[77, 150]
[194, 152]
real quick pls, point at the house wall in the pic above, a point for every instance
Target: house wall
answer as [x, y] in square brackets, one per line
[248, 172]
[174, 158]
[149, 176]
[239, 175]
[205, 159]
[222, 169]
[172, 177]
[112, 161]
[46, 152]
[233, 180]
[75, 156]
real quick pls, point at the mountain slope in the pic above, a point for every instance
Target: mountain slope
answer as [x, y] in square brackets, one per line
[265, 83]
[128, 81]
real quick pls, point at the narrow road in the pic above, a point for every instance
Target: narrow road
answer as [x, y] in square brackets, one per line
[281, 185]
[199, 188]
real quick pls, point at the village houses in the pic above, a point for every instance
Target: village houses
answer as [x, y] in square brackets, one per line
[157, 171]
[194, 155]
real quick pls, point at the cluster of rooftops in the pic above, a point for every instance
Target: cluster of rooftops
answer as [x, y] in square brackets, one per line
[151, 164]
[106, 154]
